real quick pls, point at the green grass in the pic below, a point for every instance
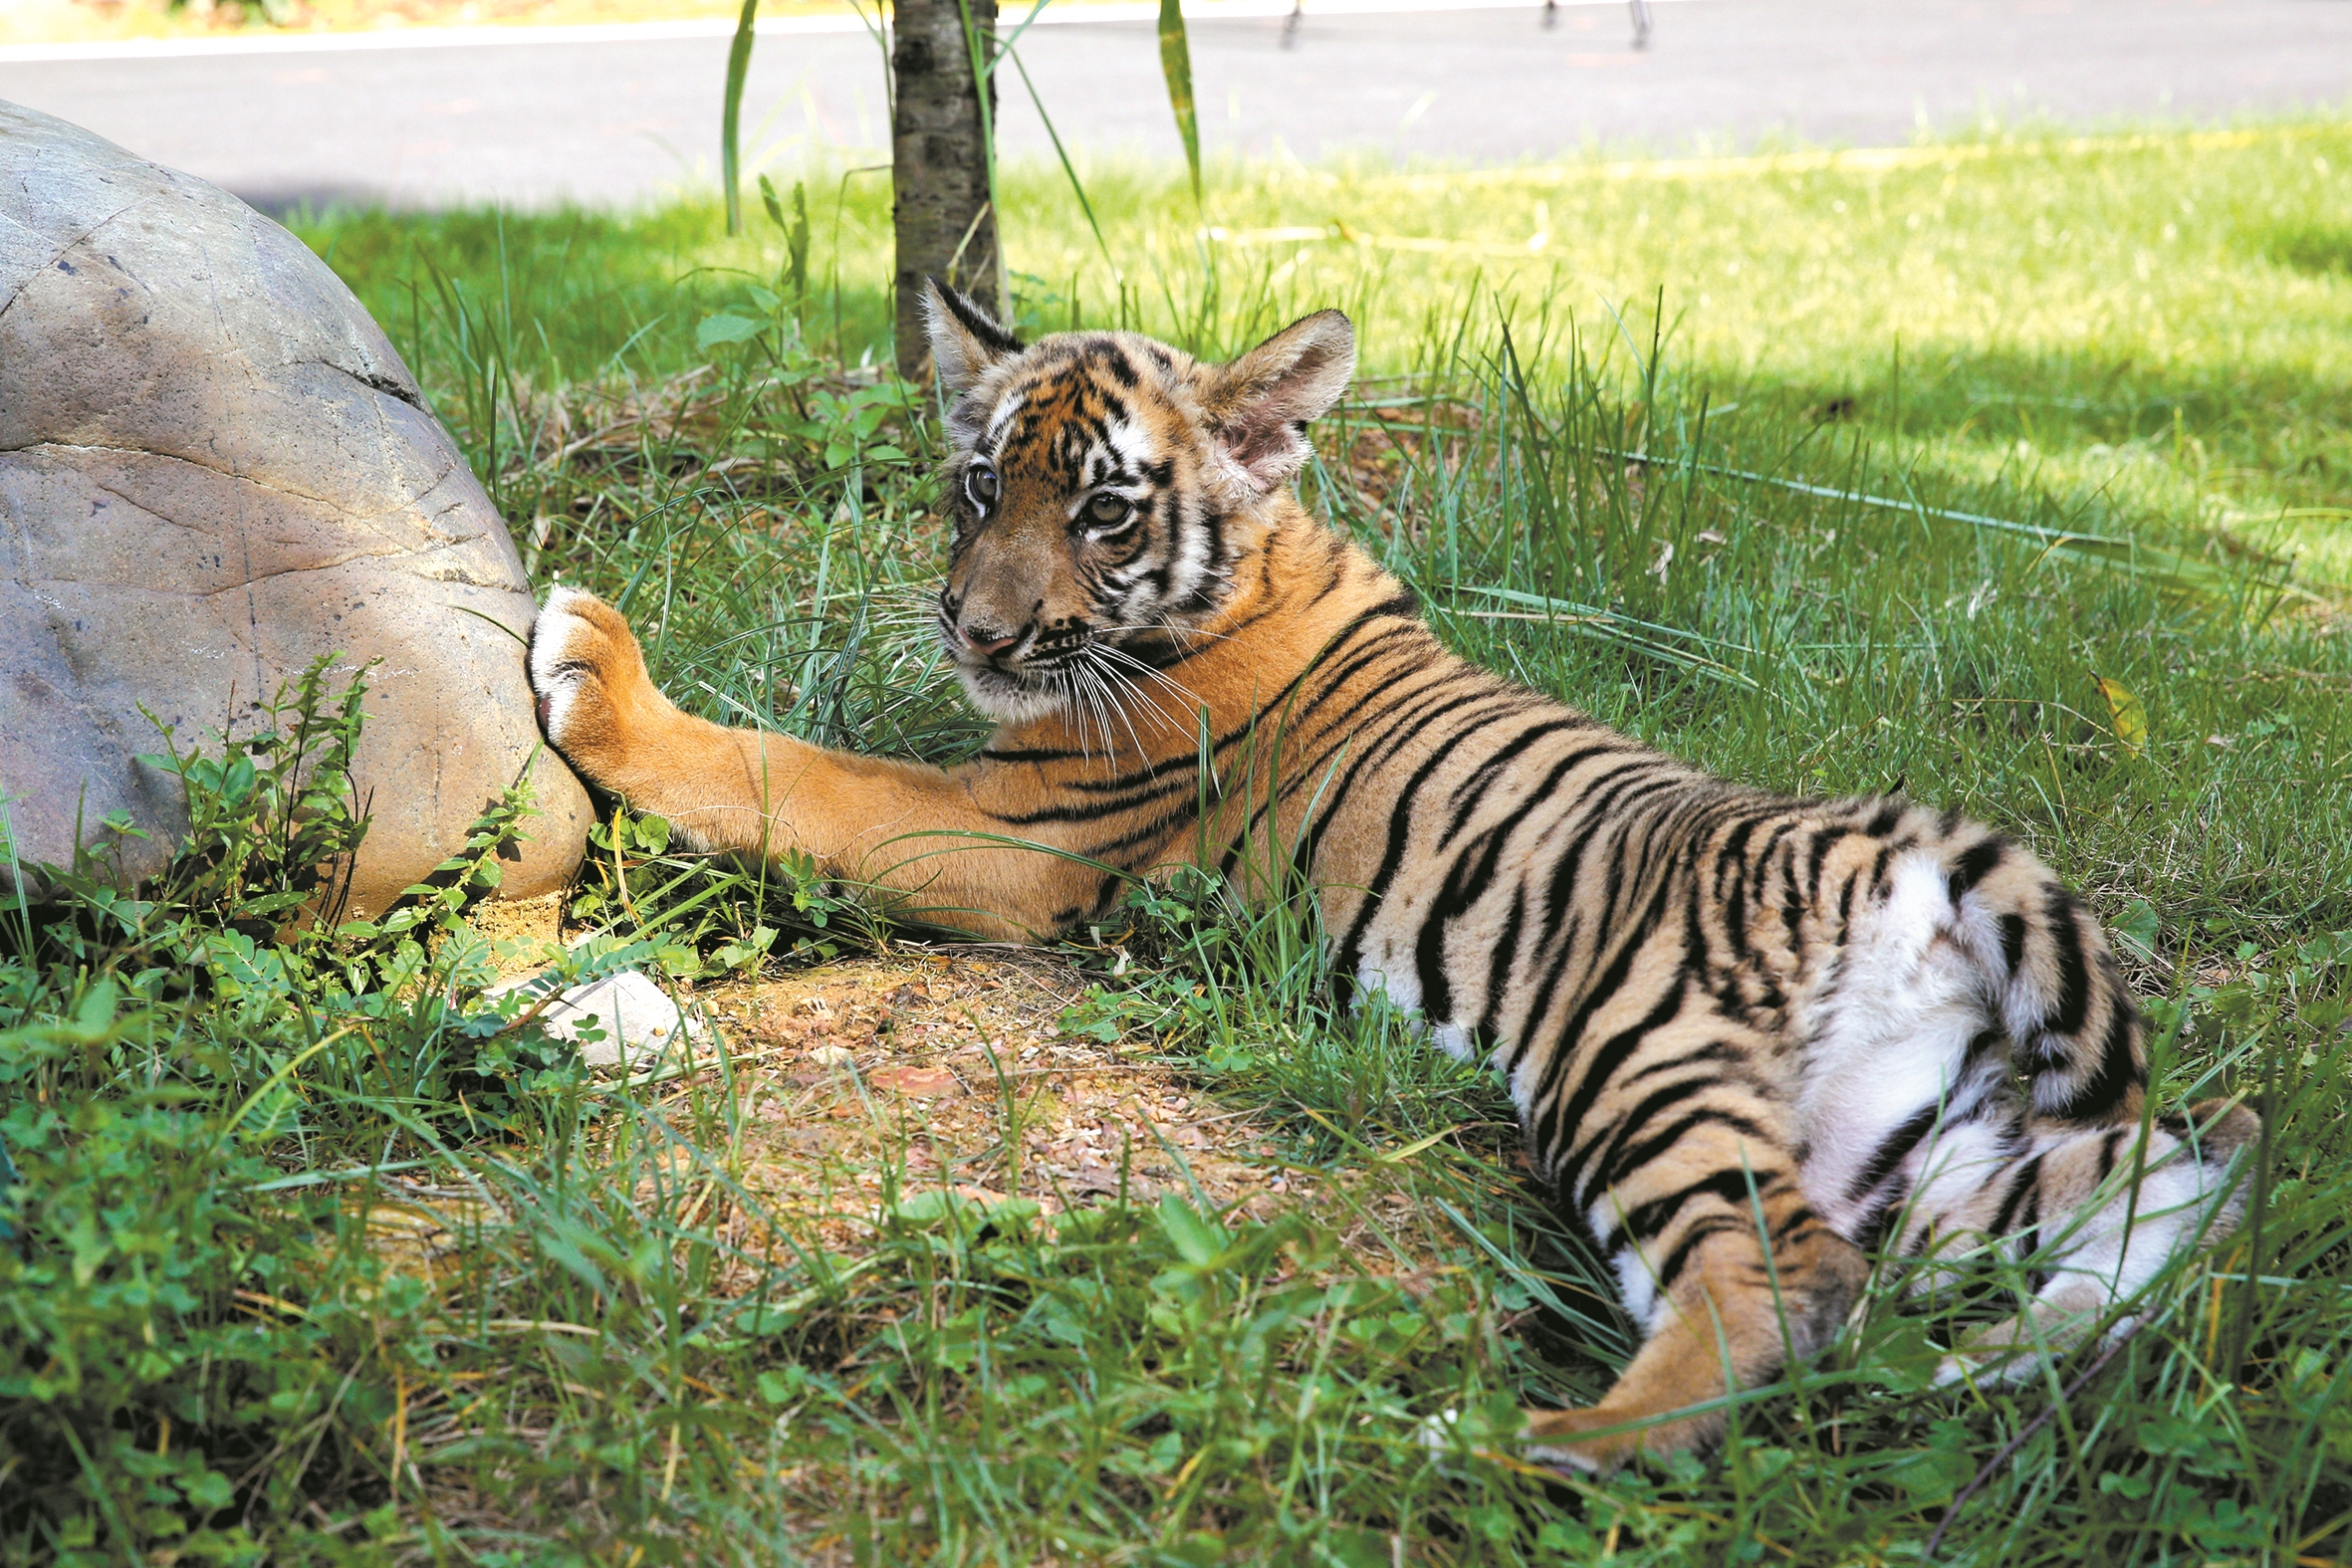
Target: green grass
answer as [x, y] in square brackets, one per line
[1669, 416]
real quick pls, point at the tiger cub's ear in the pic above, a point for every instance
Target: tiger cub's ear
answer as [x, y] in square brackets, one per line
[965, 339]
[1259, 405]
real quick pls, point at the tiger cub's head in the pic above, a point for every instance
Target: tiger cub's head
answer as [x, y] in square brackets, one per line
[1104, 487]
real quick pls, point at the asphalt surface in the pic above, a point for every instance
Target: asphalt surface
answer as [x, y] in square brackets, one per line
[629, 120]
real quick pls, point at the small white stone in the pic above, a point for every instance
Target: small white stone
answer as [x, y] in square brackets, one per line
[830, 1055]
[638, 1020]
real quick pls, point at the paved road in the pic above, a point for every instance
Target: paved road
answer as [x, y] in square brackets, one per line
[625, 120]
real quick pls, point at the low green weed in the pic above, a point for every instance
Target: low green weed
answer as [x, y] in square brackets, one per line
[165, 1059]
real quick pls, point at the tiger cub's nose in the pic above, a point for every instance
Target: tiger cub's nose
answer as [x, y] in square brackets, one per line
[985, 642]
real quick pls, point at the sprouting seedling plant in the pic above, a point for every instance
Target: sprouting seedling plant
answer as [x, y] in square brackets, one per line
[1014, 1115]
[796, 234]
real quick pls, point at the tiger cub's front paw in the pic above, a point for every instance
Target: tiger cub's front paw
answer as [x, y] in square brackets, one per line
[589, 678]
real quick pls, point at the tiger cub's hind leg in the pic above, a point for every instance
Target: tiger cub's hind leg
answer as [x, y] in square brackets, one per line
[2096, 1215]
[1732, 1273]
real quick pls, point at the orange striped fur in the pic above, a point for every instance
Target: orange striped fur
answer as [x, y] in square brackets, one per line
[1748, 1036]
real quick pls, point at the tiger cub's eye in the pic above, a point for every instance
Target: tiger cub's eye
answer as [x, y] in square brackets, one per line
[980, 483]
[1106, 512]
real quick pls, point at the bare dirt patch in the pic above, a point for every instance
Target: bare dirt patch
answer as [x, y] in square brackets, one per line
[524, 933]
[878, 1079]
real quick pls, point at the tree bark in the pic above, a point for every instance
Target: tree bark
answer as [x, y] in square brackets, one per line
[939, 162]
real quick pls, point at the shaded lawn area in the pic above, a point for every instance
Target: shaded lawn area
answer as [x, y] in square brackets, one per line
[2009, 474]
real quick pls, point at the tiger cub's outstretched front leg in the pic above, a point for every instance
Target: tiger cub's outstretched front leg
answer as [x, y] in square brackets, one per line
[925, 838]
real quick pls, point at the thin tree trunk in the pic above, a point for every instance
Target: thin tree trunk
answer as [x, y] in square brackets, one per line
[939, 160]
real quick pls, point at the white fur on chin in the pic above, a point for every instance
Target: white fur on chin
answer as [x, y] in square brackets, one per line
[998, 698]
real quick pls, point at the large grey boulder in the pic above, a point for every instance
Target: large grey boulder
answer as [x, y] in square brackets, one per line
[213, 468]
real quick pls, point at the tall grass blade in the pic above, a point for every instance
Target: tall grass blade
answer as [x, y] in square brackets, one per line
[1014, 37]
[1176, 66]
[739, 65]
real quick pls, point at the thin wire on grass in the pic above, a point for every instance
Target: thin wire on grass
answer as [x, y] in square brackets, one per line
[2128, 554]
[1624, 630]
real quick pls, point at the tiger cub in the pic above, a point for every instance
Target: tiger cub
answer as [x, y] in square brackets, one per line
[1748, 1036]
